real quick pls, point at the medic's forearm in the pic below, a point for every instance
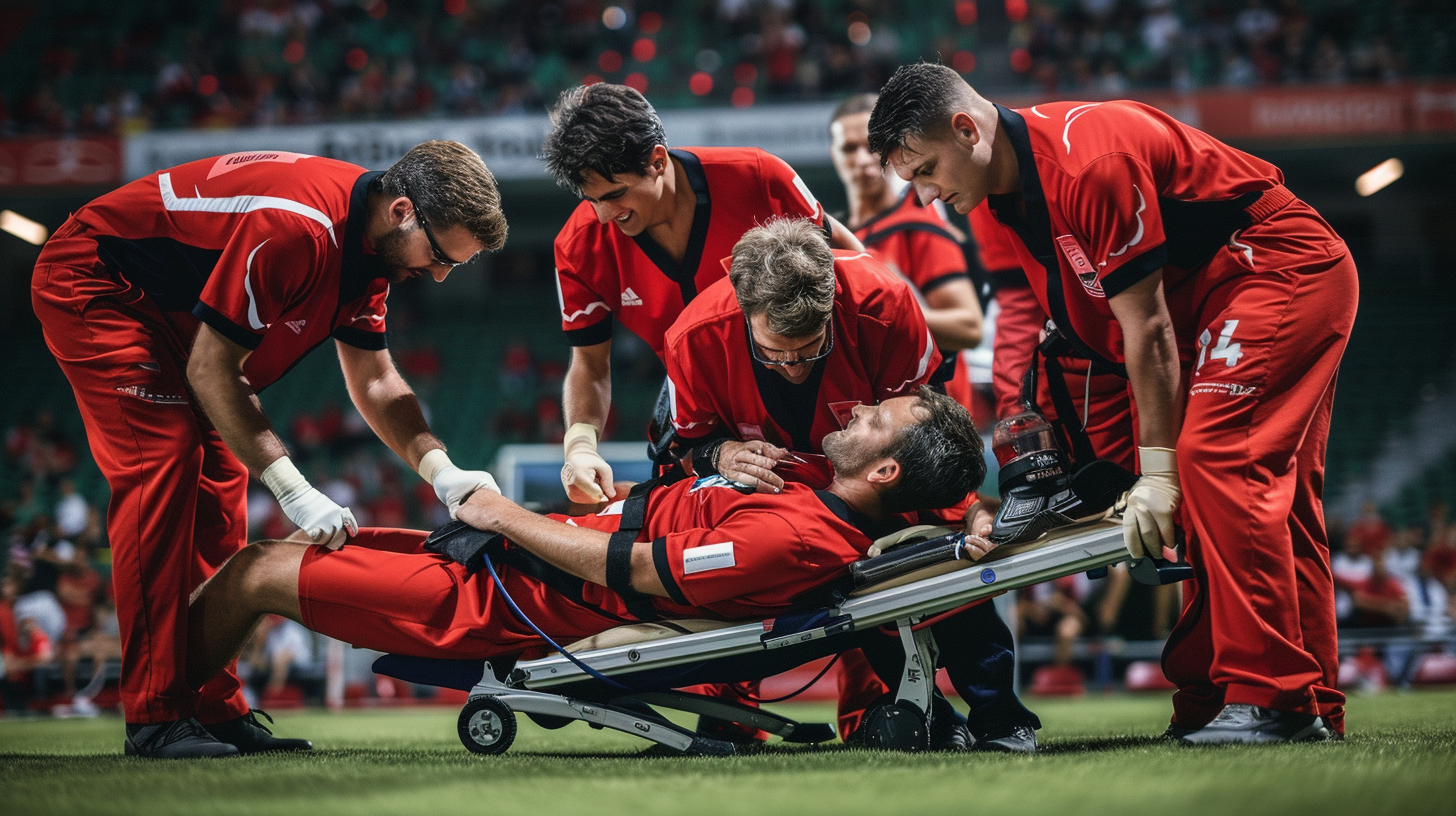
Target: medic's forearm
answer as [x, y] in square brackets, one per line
[586, 393]
[387, 402]
[1151, 352]
[954, 315]
[841, 238]
[215, 374]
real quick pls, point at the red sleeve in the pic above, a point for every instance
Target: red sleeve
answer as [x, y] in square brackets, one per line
[936, 260]
[1118, 227]
[363, 327]
[907, 354]
[266, 267]
[787, 193]
[692, 414]
[993, 241]
[585, 313]
[752, 553]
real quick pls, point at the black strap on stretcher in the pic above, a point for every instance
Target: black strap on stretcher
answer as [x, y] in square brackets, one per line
[619, 548]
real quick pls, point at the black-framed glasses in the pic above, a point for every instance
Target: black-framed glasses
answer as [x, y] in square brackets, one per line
[437, 254]
[827, 349]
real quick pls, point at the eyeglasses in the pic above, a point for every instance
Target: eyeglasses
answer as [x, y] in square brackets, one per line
[797, 361]
[437, 254]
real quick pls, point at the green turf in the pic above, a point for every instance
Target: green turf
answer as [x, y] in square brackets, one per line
[1099, 757]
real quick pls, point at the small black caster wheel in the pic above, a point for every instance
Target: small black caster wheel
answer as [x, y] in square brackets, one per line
[487, 725]
[896, 727]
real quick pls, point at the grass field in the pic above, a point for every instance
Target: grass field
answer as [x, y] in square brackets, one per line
[1099, 756]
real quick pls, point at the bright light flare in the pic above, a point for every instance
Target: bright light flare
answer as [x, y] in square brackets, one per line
[1379, 177]
[23, 228]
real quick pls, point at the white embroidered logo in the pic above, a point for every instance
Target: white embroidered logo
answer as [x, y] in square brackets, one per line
[629, 298]
[296, 325]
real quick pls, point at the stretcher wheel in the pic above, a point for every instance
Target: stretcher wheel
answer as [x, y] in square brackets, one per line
[487, 725]
[896, 727]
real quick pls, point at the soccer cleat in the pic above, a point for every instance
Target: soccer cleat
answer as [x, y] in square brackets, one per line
[1244, 724]
[179, 739]
[1020, 739]
[253, 737]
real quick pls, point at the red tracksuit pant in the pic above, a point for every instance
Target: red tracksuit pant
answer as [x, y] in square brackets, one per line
[1258, 624]
[178, 495]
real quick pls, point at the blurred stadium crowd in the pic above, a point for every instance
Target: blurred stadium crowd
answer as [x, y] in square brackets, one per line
[87, 65]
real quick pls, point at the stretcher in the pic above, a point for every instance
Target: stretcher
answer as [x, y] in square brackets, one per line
[618, 679]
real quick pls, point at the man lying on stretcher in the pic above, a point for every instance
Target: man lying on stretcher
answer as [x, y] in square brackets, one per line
[706, 549]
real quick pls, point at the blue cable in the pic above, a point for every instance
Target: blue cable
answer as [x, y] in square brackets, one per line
[521, 616]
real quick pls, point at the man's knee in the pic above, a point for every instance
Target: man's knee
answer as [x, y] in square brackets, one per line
[262, 576]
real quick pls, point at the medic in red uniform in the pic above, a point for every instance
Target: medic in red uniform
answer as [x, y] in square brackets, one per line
[1166, 255]
[880, 349]
[168, 304]
[646, 239]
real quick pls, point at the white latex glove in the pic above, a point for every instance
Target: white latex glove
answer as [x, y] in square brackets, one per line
[323, 521]
[1147, 519]
[452, 484]
[586, 476]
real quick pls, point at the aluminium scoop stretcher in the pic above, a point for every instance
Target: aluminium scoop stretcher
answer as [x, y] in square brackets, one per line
[645, 662]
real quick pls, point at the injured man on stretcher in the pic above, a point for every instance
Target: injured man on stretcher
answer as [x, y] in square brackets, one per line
[706, 549]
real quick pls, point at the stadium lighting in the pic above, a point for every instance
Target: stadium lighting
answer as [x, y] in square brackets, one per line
[23, 228]
[1379, 177]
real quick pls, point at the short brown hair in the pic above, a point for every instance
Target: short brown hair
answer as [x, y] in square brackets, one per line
[859, 103]
[453, 188]
[785, 270]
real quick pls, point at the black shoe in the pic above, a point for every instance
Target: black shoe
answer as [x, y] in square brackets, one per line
[253, 737]
[950, 735]
[1244, 724]
[179, 739]
[1176, 732]
[1020, 739]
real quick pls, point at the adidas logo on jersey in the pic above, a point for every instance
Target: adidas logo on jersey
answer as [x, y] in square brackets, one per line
[296, 325]
[629, 298]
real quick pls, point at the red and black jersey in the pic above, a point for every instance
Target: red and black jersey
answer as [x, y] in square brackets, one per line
[1112, 192]
[882, 349]
[266, 247]
[602, 273]
[916, 241]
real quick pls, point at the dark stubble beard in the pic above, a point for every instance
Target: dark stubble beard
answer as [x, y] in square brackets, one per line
[844, 456]
[391, 250]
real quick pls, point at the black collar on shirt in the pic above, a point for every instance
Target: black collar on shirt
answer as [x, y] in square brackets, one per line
[793, 406]
[870, 527]
[359, 268]
[685, 273]
[1026, 213]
